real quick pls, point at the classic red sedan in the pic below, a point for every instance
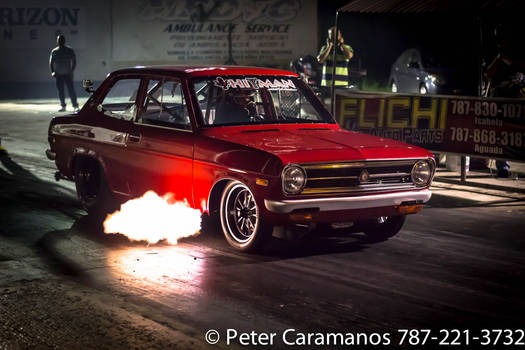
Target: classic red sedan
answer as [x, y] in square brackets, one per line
[252, 147]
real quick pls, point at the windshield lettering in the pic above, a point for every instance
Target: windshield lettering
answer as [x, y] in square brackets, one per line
[253, 83]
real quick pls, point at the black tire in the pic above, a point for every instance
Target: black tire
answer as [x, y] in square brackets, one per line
[240, 218]
[381, 228]
[92, 188]
[209, 223]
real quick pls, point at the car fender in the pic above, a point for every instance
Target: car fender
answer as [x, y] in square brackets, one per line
[79, 152]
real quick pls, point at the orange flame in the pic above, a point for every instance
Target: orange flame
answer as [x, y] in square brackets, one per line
[153, 218]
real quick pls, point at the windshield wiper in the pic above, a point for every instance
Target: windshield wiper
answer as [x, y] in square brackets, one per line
[284, 119]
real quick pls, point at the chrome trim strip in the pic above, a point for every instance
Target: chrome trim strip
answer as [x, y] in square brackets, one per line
[335, 165]
[90, 133]
[162, 127]
[361, 188]
[347, 203]
[332, 178]
[395, 159]
[373, 176]
[122, 193]
[363, 162]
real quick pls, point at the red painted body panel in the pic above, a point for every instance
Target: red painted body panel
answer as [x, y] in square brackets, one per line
[161, 161]
[300, 143]
[201, 71]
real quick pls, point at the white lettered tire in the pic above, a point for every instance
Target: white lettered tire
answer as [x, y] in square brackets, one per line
[241, 220]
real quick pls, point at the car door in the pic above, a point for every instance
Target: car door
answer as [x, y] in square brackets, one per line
[111, 125]
[402, 71]
[414, 71]
[162, 141]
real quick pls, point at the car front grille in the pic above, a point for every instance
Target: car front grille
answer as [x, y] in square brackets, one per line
[359, 176]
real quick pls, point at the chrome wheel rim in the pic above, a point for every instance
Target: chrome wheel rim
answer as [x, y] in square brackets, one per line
[241, 214]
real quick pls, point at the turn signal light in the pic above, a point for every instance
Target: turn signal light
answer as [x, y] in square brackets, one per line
[304, 215]
[409, 209]
[261, 182]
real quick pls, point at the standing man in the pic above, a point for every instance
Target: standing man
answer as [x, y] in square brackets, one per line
[343, 54]
[506, 74]
[62, 63]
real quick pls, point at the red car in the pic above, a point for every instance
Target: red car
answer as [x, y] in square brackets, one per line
[253, 147]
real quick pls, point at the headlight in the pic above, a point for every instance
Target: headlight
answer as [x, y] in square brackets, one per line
[422, 173]
[294, 179]
[436, 79]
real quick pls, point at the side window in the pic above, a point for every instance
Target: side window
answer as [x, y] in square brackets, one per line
[121, 98]
[165, 105]
[414, 61]
[291, 105]
[417, 58]
[405, 57]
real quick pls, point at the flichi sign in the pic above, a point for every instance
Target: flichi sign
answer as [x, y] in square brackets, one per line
[492, 128]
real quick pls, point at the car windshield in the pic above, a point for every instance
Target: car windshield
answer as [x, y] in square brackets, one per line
[435, 59]
[257, 100]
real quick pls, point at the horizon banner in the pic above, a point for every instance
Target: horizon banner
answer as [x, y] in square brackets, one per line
[480, 127]
[263, 32]
[30, 24]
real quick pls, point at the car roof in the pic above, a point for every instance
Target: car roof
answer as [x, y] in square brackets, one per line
[200, 71]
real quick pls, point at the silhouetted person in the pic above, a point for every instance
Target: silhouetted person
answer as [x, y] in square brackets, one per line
[236, 106]
[62, 63]
[506, 74]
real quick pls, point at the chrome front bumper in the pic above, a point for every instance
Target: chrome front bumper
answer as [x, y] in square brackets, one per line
[348, 203]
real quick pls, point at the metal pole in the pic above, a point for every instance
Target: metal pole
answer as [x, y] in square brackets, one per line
[334, 41]
[480, 57]
[463, 169]
[230, 60]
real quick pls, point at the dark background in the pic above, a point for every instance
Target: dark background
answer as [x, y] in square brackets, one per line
[378, 39]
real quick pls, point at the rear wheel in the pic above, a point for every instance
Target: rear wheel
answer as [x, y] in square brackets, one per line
[92, 188]
[240, 217]
[383, 227]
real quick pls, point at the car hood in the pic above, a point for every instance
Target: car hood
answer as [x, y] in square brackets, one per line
[314, 143]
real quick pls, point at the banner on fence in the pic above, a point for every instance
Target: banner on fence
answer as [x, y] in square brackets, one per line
[484, 127]
[197, 32]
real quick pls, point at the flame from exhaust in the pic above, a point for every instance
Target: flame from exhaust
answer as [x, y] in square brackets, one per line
[153, 218]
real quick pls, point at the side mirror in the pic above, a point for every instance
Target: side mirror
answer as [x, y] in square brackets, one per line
[88, 85]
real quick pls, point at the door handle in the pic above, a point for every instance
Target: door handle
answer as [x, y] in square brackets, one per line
[134, 137]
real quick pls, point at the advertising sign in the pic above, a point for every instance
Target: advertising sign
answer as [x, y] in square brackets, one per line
[482, 127]
[196, 32]
[36, 24]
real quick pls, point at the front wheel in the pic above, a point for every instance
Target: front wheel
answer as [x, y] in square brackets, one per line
[240, 217]
[382, 228]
